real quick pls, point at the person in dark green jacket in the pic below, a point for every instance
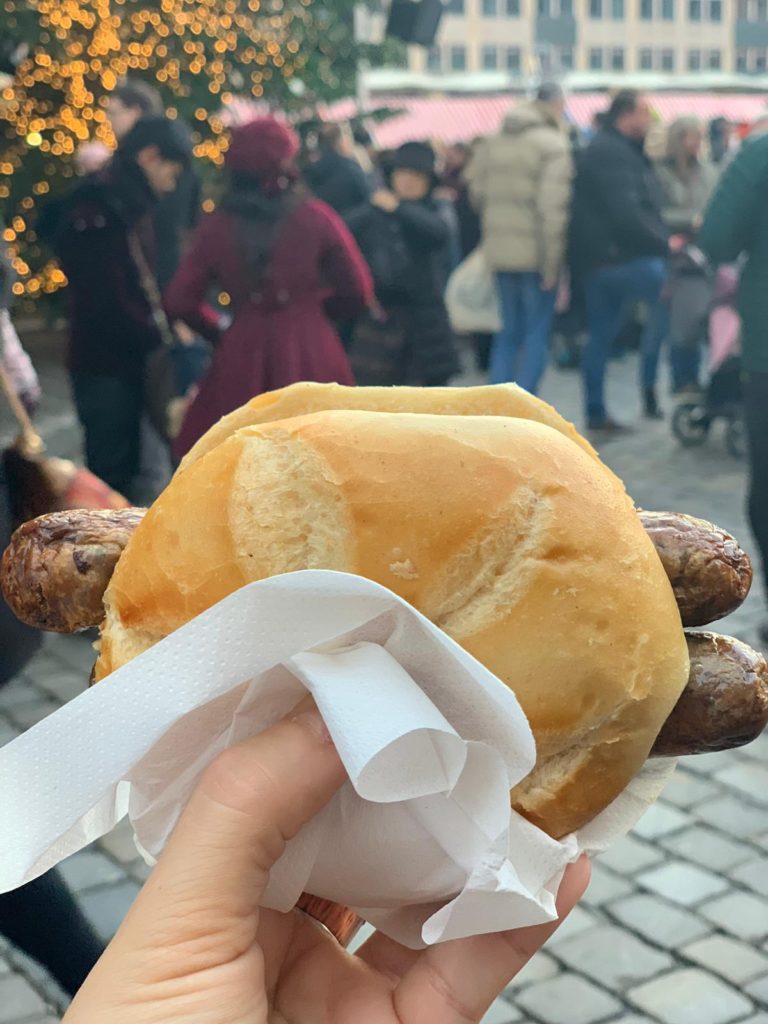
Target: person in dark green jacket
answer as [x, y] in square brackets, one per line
[736, 223]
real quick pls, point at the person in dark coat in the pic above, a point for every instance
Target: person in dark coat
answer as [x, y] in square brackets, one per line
[112, 327]
[177, 213]
[335, 177]
[618, 238]
[406, 239]
[736, 224]
[41, 918]
[288, 264]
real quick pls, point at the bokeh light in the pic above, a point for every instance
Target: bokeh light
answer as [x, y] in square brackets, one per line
[201, 54]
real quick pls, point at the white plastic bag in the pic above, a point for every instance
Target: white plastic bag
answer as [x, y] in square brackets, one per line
[472, 297]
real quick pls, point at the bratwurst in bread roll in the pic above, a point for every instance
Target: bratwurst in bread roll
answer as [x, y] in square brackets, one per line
[57, 568]
[504, 532]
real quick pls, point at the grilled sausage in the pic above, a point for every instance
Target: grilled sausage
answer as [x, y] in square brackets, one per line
[725, 703]
[709, 572]
[58, 591]
[57, 567]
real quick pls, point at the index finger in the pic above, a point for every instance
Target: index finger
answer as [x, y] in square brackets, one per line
[251, 800]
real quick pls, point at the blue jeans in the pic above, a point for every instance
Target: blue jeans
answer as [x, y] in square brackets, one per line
[608, 291]
[684, 360]
[521, 348]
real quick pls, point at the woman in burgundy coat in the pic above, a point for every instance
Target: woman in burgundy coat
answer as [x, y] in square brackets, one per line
[288, 264]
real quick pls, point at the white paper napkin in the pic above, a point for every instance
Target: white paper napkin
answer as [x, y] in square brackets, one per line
[421, 841]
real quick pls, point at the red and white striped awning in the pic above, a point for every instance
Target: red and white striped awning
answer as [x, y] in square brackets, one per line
[442, 119]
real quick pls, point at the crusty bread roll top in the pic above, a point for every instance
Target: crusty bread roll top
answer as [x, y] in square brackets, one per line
[307, 396]
[506, 533]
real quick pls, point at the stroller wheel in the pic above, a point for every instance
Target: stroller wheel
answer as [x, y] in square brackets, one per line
[690, 424]
[736, 438]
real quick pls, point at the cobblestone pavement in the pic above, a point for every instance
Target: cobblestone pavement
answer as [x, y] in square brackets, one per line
[674, 927]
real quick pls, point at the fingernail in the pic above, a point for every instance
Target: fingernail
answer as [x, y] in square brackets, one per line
[311, 719]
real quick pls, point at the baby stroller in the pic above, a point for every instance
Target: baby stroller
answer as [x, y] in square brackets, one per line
[721, 398]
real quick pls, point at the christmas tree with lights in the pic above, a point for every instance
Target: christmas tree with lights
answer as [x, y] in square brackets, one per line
[66, 56]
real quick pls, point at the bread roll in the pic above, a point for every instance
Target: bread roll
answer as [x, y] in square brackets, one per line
[306, 397]
[504, 532]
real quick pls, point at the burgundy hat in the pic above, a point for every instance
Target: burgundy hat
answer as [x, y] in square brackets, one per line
[263, 148]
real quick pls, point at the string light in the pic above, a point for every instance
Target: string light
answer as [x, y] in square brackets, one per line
[201, 54]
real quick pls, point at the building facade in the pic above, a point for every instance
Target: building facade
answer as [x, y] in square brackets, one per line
[548, 37]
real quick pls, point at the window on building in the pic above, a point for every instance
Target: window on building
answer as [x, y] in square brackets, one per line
[434, 59]
[566, 58]
[694, 60]
[513, 8]
[715, 60]
[760, 61]
[489, 8]
[742, 10]
[513, 59]
[566, 8]
[544, 7]
[595, 8]
[617, 10]
[742, 61]
[668, 10]
[694, 10]
[596, 60]
[645, 60]
[617, 59]
[455, 6]
[458, 58]
[715, 10]
[489, 58]
[761, 11]
[646, 10]
[667, 60]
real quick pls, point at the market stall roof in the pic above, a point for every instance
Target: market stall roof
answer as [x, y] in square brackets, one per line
[461, 107]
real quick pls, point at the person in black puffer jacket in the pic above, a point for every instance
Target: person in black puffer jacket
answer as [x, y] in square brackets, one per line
[405, 236]
[618, 239]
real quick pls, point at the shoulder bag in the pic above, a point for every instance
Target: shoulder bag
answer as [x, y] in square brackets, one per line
[173, 368]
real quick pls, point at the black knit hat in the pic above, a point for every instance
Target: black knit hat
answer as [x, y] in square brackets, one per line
[170, 137]
[415, 156]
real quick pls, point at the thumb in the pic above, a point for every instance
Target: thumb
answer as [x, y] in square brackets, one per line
[251, 800]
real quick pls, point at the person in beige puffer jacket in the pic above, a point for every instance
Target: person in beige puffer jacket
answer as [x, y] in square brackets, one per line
[520, 182]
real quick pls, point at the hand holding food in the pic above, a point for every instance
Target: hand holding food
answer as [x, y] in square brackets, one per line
[198, 946]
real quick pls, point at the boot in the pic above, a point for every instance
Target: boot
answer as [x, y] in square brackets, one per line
[651, 406]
